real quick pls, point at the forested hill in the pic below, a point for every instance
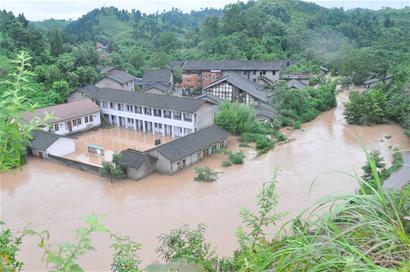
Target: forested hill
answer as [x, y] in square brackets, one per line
[351, 43]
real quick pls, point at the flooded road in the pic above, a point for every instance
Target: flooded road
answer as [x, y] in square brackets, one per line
[324, 152]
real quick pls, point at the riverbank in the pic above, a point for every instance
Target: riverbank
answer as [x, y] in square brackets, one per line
[315, 164]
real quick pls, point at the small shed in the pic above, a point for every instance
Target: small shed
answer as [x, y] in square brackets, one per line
[44, 143]
[138, 164]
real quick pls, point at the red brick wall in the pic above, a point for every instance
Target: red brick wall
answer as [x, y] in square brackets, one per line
[191, 81]
[208, 77]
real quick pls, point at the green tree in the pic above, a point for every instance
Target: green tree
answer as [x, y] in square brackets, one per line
[56, 42]
[14, 132]
[114, 169]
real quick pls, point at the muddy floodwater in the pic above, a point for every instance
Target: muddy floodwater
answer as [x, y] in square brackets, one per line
[44, 195]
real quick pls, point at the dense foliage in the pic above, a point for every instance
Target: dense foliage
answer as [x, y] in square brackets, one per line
[113, 169]
[205, 173]
[299, 106]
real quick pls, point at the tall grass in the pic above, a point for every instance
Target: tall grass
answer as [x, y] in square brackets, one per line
[359, 232]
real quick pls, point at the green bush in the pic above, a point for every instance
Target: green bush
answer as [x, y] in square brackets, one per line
[205, 174]
[226, 163]
[236, 157]
[297, 124]
[264, 144]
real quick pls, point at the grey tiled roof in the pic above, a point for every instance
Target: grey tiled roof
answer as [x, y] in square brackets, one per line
[42, 140]
[192, 143]
[233, 65]
[106, 69]
[242, 83]
[209, 97]
[132, 158]
[119, 76]
[160, 75]
[294, 83]
[162, 88]
[169, 102]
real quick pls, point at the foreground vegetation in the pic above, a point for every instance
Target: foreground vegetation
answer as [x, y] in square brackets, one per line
[367, 231]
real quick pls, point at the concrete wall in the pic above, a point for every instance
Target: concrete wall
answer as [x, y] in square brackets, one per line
[76, 164]
[205, 116]
[61, 147]
[147, 168]
[112, 84]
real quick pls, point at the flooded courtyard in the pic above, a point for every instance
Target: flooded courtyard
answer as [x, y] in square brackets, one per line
[318, 162]
[113, 140]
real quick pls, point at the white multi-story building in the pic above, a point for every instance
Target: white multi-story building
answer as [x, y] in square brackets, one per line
[164, 114]
[67, 118]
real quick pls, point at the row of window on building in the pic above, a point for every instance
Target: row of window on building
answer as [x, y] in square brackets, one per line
[148, 111]
[75, 122]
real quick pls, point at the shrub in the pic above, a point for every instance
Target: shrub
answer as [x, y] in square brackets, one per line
[205, 174]
[236, 157]
[264, 144]
[297, 124]
[226, 163]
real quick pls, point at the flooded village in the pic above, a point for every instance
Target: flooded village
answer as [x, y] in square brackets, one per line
[161, 127]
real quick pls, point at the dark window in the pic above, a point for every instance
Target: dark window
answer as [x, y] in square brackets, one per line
[86, 119]
[56, 127]
[91, 118]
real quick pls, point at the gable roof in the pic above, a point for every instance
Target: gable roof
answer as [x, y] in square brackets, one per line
[297, 84]
[133, 158]
[42, 140]
[119, 76]
[169, 102]
[63, 112]
[157, 75]
[158, 86]
[210, 97]
[242, 83]
[233, 65]
[106, 69]
[191, 143]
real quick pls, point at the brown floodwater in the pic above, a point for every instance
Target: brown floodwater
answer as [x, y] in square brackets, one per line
[318, 162]
[113, 140]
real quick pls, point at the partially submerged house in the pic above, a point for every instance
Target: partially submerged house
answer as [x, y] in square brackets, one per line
[67, 118]
[137, 164]
[236, 88]
[159, 76]
[44, 144]
[198, 74]
[182, 152]
[114, 78]
[164, 114]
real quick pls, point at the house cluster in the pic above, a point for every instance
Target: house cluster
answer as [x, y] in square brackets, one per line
[155, 104]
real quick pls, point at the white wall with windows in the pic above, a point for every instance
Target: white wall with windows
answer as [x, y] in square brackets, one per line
[154, 120]
[74, 125]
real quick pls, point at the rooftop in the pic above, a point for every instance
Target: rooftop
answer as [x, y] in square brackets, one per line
[117, 75]
[133, 158]
[63, 111]
[161, 87]
[169, 102]
[242, 83]
[234, 65]
[297, 84]
[191, 143]
[159, 75]
[42, 140]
